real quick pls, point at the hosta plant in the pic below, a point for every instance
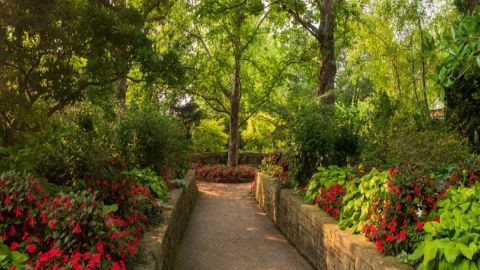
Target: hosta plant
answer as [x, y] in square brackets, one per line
[453, 242]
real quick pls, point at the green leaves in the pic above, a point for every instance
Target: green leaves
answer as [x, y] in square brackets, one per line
[11, 258]
[453, 242]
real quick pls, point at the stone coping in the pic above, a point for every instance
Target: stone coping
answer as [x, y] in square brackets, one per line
[159, 245]
[316, 234]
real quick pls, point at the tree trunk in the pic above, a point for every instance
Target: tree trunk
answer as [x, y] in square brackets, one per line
[328, 68]
[424, 73]
[234, 136]
[121, 95]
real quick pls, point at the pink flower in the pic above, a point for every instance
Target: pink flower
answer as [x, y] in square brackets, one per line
[420, 226]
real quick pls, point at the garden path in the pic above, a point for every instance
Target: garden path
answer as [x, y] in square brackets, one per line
[228, 230]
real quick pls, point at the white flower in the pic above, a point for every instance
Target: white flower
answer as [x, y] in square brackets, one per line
[419, 212]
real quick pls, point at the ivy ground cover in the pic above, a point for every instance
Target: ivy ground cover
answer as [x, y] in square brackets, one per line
[425, 219]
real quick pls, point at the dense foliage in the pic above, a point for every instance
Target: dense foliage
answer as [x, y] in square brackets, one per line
[209, 136]
[149, 138]
[404, 210]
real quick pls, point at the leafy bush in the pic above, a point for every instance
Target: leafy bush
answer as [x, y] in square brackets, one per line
[11, 257]
[359, 200]
[150, 179]
[209, 136]
[148, 138]
[459, 76]
[452, 243]
[73, 148]
[321, 136]
[274, 166]
[263, 134]
[409, 197]
[71, 229]
[326, 177]
[396, 135]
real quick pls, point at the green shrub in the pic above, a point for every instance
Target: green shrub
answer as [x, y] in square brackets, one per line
[396, 134]
[151, 180]
[459, 76]
[320, 136]
[326, 177]
[149, 138]
[208, 136]
[263, 134]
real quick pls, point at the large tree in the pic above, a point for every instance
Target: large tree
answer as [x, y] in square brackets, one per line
[233, 61]
[319, 19]
[54, 52]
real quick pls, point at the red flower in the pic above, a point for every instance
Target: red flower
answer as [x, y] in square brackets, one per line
[14, 246]
[18, 211]
[478, 165]
[399, 207]
[390, 238]
[436, 219]
[77, 229]
[317, 200]
[12, 268]
[402, 235]
[390, 172]
[100, 247]
[51, 224]
[420, 226]
[31, 248]
[379, 245]
[7, 200]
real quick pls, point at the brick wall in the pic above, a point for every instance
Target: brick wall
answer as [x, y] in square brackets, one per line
[316, 234]
[159, 245]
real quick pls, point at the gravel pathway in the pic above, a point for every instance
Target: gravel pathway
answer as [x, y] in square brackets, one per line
[228, 230]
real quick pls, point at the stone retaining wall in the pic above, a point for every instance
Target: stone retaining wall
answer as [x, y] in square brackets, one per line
[221, 158]
[159, 245]
[316, 234]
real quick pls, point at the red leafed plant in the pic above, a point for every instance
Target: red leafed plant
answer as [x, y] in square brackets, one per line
[221, 173]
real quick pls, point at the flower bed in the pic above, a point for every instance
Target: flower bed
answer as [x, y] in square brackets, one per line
[95, 227]
[223, 174]
[402, 207]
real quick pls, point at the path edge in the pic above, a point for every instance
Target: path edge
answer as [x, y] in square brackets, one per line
[160, 245]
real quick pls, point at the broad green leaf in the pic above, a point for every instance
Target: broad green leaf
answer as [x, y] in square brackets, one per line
[19, 257]
[430, 252]
[451, 252]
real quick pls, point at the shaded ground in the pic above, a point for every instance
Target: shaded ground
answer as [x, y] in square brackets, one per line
[228, 230]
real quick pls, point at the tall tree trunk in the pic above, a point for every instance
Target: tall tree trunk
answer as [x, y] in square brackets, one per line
[414, 75]
[234, 136]
[424, 73]
[121, 95]
[328, 68]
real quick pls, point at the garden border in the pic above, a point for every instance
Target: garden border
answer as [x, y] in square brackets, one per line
[160, 244]
[227, 180]
[316, 234]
